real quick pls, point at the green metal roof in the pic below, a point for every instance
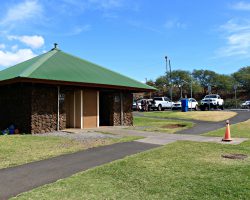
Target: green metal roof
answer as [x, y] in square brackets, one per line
[56, 65]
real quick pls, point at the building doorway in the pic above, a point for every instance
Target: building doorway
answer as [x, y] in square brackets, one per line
[106, 108]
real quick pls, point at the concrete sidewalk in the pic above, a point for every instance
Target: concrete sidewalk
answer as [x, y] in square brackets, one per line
[16, 180]
[165, 138]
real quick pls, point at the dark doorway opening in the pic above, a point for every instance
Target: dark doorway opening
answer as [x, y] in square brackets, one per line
[106, 108]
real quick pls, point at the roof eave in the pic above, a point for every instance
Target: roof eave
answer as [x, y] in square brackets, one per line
[58, 82]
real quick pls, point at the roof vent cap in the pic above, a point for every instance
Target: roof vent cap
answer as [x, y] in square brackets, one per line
[55, 47]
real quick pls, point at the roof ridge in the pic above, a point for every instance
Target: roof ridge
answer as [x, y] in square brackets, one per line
[37, 64]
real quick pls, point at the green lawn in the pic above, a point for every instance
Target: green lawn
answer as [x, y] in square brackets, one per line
[213, 116]
[158, 125]
[21, 149]
[180, 170]
[237, 130]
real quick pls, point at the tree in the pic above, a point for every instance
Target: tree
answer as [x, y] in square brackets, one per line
[181, 79]
[161, 84]
[205, 78]
[223, 83]
[243, 77]
[180, 76]
[151, 83]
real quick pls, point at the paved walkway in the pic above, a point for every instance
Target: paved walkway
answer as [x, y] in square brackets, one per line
[204, 127]
[16, 180]
[165, 138]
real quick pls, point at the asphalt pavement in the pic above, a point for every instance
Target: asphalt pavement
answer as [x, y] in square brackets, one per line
[203, 127]
[16, 180]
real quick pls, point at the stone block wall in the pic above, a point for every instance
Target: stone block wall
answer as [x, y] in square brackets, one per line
[15, 107]
[44, 110]
[116, 109]
[127, 109]
[127, 99]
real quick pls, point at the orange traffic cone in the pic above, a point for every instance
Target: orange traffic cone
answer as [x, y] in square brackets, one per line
[227, 137]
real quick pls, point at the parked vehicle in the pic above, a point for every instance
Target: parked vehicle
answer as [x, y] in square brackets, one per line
[142, 104]
[246, 104]
[161, 103]
[134, 106]
[137, 105]
[192, 103]
[212, 101]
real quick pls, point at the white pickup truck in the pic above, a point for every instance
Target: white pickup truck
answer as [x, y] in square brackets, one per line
[212, 101]
[161, 103]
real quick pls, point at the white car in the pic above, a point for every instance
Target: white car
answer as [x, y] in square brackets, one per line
[161, 103]
[192, 103]
[246, 104]
[212, 101]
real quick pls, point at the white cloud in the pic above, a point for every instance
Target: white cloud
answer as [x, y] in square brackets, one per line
[80, 29]
[2, 46]
[237, 36]
[14, 47]
[8, 58]
[95, 4]
[174, 23]
[26, 10]
[234, 25]
[107, 4]
[34, 41]
[241, 5]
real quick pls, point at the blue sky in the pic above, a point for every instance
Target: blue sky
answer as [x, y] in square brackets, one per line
[130, 36]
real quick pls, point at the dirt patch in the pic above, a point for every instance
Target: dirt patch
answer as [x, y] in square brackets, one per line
[173, 126]
[235, 156]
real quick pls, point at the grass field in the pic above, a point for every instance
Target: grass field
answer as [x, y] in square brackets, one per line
[213, 116]
[181, 170]
[21, 149]
[237, 130]
[158, 125]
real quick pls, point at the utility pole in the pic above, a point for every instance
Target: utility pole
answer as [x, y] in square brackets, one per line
[167, 78]
[170, 76]
[191, 87]
[180, 86]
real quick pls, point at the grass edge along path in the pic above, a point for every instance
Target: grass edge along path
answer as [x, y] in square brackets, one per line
[22, 149]
[180, 170]
[159, 125]
[238, 130]
[210, 116]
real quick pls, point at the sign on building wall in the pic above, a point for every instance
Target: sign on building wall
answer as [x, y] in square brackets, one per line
[117, 99]
[61, 97]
